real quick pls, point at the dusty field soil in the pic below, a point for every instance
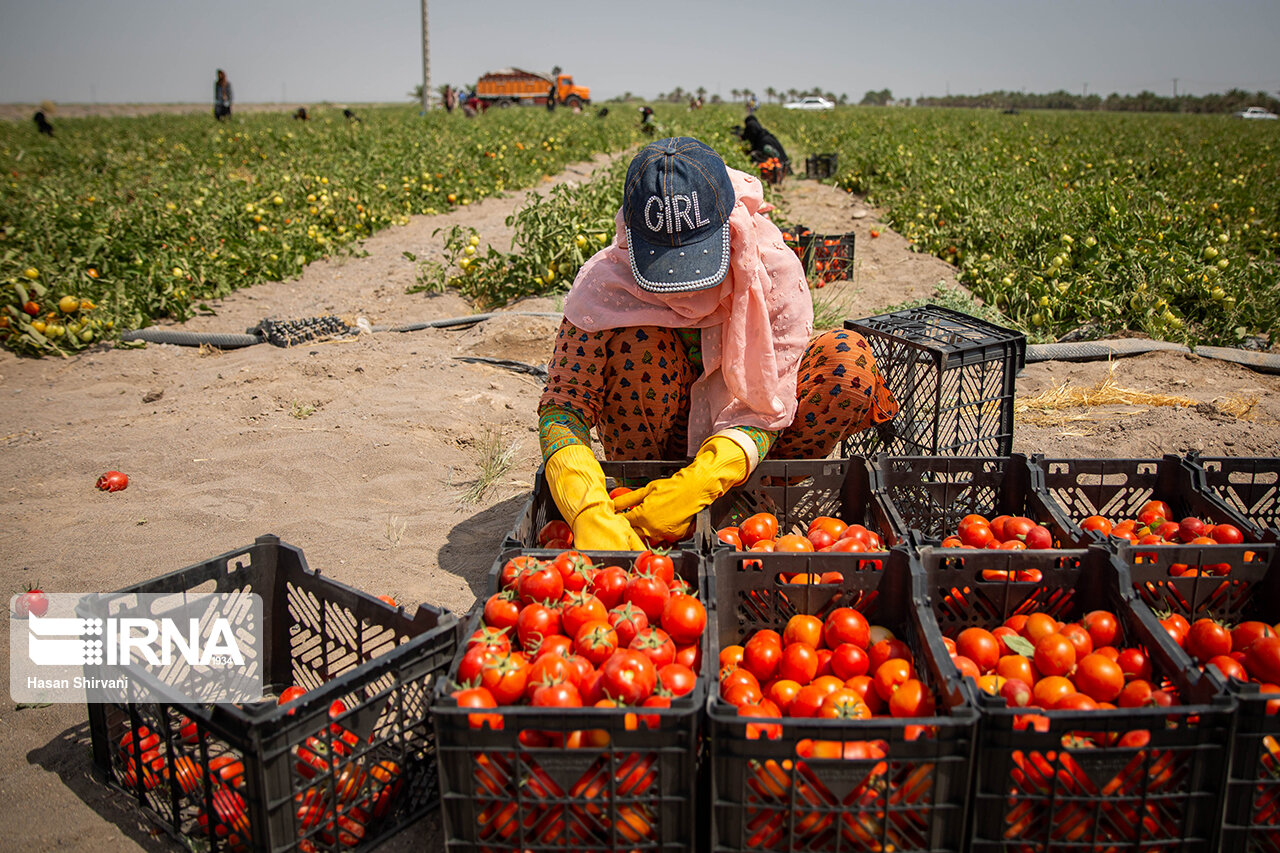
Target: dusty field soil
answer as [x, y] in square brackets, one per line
[360, 453]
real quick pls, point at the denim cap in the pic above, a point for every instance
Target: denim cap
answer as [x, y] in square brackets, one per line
[676, 207]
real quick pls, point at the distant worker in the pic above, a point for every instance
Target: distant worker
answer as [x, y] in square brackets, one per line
[42, 123]
[751, 104]
[221, 96]
[647, 123]
[551, 98]
[764, 144]
[300, 114]
[449, 99]
[350, 116]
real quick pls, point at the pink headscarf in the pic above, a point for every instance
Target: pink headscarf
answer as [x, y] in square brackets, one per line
[755, 324]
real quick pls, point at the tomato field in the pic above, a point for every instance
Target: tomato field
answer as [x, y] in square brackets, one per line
[1165, 225]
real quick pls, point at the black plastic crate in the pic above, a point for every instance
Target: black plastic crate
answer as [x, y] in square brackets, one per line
[1244, 585]
[825, 257]
[927, 496]
[799, 490]
[821, 165]
[1118, 488]
[1042, 787]
[767, 796]
[635, 788]
[1250, 486]
[261, 770]
[953, 376]
[541, 506]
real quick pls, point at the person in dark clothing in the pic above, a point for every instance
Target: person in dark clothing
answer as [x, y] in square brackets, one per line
[763, 143]
[551, 98]
[221, 96]
[300, 114]
[42, 123]
[350, 116]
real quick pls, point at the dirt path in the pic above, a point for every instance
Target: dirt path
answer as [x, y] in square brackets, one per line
[360, 453]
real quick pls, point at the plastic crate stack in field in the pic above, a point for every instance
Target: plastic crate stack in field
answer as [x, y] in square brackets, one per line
[1233, 584]
[797, 491]
[583, 779]
[927, 496]
[1118, 488]
[821, 165]
[881, 783]
[1125, 779]
[953, 376]
[1248, 485]
[345, 766]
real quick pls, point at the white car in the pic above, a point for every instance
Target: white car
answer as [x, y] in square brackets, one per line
[1253, 112]
[811, 103]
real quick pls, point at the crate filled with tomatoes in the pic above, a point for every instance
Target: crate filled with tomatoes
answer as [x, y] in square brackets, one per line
[1093, 734]
[826, 257]
[953, 376]
[1221, 606]
[340, 754]
[1249, 485]
[831, 725]
[803, 505]
[541, 525]
[969, 502]
[572, 714]
[1137, 502]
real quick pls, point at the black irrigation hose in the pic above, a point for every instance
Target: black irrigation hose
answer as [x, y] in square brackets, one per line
[1264, 362]
[190, 339]
[1076, 351]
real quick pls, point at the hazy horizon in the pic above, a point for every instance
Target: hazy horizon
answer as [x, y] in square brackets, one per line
[156, 52]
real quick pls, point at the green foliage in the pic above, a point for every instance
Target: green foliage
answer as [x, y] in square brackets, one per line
[150, 217]
[1166, 225]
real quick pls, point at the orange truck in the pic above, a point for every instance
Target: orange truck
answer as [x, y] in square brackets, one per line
[514, 86]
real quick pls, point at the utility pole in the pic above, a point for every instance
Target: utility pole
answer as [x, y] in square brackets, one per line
[1175, 85]
[426, 62]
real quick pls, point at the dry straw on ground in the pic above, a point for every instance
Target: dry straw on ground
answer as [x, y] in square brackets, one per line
[1047, 408]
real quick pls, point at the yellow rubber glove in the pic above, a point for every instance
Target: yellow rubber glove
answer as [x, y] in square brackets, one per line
[578, 487]
[664, 510]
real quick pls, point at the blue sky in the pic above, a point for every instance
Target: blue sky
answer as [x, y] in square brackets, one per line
[306, 51]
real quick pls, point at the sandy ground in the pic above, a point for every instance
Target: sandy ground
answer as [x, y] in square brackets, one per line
[360, 453]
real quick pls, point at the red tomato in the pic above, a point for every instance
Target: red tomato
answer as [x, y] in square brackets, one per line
[1102, 627]
[596, 641]
[1227, 534]
[557, 695]
[849, 660]
[1097, 522]
[501, 610]
[793, 542]
[628, 620]
[891, 675]
[799, 663]
[980, 646]
[911, 699]
[656, 645]
[677, 678]
[628, 677]
[1055, 655]
[1151, 510]
[731, 536]
[32, 602]
[557, 529]
[757, 528]
[684, 618]
[846, 625]
[1229, 667]
[290, 693]
[1039, 537]
[536, 621]
[113, 481]
[1243, 634]
[1135, 664]
[1207, 638]
[608, 585]
[505, 677]
[648, 593]
[887, 650]
[1099, 677]
[1262, 659]
[658, 564]
[579, 609]
[542, 583]
[762, 655]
